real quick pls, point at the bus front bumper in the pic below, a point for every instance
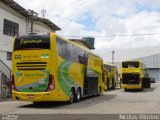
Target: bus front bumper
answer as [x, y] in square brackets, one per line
[131, 86]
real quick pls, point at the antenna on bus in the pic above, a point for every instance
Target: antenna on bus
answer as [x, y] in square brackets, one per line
[43, 11]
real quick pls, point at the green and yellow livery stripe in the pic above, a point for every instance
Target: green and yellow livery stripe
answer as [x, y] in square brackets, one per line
[64, 77]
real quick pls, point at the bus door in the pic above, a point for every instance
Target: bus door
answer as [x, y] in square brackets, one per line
[91, 77]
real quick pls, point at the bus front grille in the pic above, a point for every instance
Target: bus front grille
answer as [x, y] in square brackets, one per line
[130, 78]
[31, 65]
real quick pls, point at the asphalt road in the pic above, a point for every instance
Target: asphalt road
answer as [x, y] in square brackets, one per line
[112, 102]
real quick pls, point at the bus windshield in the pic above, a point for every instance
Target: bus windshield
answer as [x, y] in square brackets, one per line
[32, 42]
[130, 64]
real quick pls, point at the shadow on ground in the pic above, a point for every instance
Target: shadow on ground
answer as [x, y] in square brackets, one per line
[114, 89]
[141, 90]
[85, 102]
[149, 89]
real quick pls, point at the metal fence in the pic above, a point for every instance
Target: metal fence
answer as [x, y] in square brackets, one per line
[5, 81]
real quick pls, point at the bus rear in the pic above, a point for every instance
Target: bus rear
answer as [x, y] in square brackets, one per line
[32, 79]
[131, 75]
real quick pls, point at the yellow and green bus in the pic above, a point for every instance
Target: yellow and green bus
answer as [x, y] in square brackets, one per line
[111, 75]
[134, 75]
[48, 67]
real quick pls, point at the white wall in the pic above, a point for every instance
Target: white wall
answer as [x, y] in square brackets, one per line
[40, 27]
[154, 73]
[6, 42]
[3, 57]
[10, 14]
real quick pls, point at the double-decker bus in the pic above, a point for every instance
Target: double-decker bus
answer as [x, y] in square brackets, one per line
[48, 67]
[111, 75]
[134, 75]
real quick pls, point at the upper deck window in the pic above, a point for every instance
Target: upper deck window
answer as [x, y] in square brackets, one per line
[71, 52]
[130, 64]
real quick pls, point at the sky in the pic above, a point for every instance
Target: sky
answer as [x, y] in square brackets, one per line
[106, 20]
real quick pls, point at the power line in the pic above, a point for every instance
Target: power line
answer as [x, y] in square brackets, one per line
[114, 35]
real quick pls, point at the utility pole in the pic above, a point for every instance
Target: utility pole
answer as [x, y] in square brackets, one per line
[43, 11]
[113, 57]
[32, 16]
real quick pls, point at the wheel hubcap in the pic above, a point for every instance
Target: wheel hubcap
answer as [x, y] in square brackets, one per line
[71, 95]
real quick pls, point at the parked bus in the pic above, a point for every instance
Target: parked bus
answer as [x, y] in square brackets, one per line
[134, 75]
[48, 67]
[111, 75]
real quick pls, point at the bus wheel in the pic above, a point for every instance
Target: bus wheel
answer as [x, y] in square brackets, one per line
[71, 97]
[78, 95]
[115, 85]
[100, 90]
[108, 85]
[126, 90]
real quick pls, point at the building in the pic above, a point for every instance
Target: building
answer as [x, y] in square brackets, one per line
[149, 55]
[15, 20]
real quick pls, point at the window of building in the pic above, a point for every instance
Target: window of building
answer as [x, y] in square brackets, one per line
[9, 55]
[10, 28]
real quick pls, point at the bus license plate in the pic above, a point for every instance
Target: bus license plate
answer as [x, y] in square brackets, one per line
[30, 96]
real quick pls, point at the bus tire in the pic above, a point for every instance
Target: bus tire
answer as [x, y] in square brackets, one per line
[72, 96]
[108, 85]
[126, 90]
[148, 85]
[115, 85]
[78, 95]
[100, 90]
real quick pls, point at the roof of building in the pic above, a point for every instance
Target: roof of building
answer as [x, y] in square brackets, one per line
[25, 13]
[131, 53]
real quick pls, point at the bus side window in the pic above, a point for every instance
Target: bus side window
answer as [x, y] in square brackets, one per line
[74, 53]
[68, 52]
[61, 47]
[82, 56]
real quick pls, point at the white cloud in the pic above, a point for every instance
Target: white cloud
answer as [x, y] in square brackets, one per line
[110, 17]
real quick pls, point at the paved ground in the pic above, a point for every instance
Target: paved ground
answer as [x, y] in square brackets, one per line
[112, 102]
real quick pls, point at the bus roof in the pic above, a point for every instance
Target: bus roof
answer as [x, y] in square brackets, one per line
[133, 61]
[109, 64]
[80, 46]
